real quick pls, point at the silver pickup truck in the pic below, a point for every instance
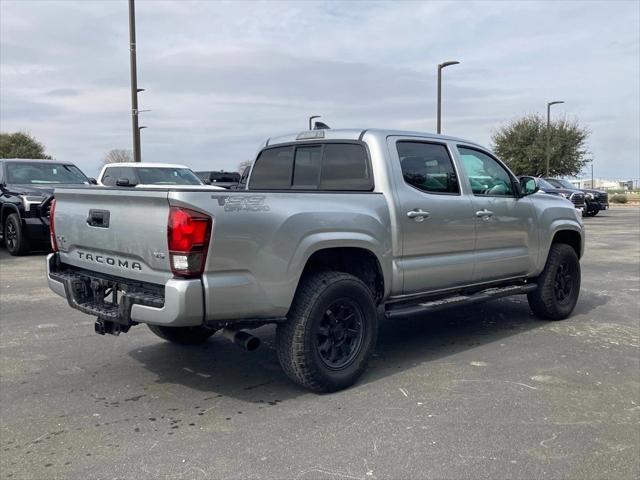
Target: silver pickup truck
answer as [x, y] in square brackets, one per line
[329, 231]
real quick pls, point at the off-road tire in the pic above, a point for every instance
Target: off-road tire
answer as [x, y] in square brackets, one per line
[15, 239]
[183, 335]
[544, 301]
[297, 340]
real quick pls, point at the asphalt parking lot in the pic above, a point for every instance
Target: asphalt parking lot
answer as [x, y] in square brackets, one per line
[481, 392]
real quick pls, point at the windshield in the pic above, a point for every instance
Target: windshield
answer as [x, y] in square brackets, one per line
[167, 176]
[566, 184]
[560, 183]
[543, 184]
[44, 173]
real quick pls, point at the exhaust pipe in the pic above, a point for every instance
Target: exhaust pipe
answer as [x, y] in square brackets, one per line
[243, 339]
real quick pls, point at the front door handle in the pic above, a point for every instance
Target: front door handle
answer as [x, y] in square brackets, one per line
[484, 213]
[418, 214]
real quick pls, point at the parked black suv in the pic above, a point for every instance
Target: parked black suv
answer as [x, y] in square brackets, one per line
[26, 192]
[596, 200]
[220, 178]
[577, 197]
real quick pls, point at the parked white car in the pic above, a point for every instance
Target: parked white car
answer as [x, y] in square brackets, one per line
[150, 175]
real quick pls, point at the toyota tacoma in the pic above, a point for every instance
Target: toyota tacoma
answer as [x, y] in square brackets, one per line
[331, 231]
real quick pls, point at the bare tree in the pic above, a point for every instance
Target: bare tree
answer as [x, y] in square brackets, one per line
[117, 155]
[243, 165]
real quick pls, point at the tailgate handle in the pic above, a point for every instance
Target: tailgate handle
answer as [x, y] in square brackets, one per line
[98, 218]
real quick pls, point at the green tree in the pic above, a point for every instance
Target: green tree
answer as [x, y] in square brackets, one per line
[522, 145]
[21, 145]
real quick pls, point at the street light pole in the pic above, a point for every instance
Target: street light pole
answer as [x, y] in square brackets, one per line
[440, 67]
[134, 82]
[548, 152]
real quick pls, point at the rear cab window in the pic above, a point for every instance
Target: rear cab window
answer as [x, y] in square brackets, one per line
[329, 166]
[427, 167]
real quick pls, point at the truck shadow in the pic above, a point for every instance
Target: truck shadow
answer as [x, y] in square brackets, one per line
[220, 368]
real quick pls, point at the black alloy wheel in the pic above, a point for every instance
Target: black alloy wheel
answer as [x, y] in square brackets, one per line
[10, 236]
[14, 236]
[563, 283]
[340, 333]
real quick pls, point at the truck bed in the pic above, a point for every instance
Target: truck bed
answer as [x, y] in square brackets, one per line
[260, 241]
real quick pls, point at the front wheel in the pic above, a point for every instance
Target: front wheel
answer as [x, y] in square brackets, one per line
[14, 236]
[330, 334]
[593, 209]
[558, 284]
[183, 335]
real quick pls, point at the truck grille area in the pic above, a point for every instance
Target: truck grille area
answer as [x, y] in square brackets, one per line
[106, 297]
[577, 199]
[603, 198]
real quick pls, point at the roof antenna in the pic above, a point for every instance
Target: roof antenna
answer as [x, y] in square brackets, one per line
[311, 120]
[321, 126]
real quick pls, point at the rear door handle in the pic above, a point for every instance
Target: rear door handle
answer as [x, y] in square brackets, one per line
[484, 213]
[418, 214]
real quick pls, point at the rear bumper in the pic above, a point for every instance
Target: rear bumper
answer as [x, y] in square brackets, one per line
[178, 303]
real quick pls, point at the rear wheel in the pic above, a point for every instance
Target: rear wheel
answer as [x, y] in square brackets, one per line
[14, 237]
[183, 335]
[330, 334]
[558, 284]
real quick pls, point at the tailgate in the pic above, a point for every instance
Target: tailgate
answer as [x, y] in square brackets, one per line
[114, 231]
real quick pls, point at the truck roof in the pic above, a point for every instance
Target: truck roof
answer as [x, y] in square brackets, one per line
[145, 165]
[36, 160]
[357, 134]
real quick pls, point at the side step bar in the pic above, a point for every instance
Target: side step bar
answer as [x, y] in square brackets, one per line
[459, 300]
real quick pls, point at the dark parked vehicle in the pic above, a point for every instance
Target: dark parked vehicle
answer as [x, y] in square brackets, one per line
[596, 200]
[577, 197]
[26, 192]
[220, 178]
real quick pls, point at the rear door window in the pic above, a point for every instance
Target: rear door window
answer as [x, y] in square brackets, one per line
[427, 167]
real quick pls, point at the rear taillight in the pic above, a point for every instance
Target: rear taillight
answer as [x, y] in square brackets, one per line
[188, 235]
[52, 226]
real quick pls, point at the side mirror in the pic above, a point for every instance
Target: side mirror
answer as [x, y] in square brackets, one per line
[528, 186]
[92, 181]
[207, 181]
[124, 182]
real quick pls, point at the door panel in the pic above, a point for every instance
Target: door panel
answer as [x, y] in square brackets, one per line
[503, 240]
[505, 224]
[436, 225]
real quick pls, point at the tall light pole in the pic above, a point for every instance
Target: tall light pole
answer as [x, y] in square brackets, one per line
[134, 82]
[549, 132]
[440, 67]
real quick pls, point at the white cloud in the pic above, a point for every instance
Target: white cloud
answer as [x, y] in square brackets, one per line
[221, 77]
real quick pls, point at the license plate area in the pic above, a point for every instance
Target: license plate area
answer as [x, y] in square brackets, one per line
[99, 297]
[106, 297]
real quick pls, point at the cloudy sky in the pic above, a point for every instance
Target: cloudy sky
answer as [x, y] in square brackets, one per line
[221, 77]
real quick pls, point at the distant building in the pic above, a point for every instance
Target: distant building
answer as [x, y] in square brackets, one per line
[604, 184]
